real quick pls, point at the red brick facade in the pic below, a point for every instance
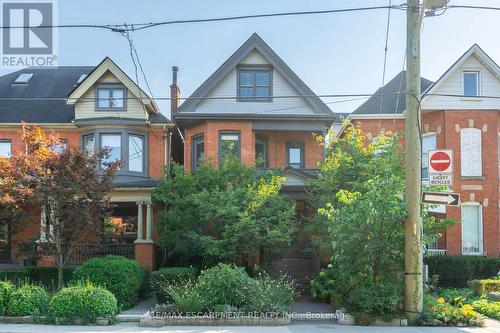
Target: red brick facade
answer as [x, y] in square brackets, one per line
[483, 190]
[276, 143]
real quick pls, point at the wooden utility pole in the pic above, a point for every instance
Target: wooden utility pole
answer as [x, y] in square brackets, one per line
[413, 227]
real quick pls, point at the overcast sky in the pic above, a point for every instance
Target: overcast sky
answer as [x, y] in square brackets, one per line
[333, 53]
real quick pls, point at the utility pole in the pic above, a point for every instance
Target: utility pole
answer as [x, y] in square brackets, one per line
[413, 226]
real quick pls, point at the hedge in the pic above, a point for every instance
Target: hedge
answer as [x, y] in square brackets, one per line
[484, 286]
[27, 300]
[6, 290]
[455, 271]
[46, 276]
[169, 275]
[120, 275]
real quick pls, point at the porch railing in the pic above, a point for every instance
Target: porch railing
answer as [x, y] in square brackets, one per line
[84, 252]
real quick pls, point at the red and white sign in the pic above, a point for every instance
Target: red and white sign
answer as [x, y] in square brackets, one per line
[440, 161]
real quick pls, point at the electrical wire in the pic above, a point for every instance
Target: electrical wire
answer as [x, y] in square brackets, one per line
[385, 65]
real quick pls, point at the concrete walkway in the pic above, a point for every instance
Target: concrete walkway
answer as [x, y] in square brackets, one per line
[493, 327]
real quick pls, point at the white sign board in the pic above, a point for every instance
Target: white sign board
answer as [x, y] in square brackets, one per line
[440, 179]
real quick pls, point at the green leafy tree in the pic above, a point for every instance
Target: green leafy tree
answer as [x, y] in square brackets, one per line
[361, 214]
[226, 214]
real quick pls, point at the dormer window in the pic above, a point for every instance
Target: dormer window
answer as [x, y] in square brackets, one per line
[23, 78]
[471, 83]
[81, 78]
[111, 97]
[254, 84]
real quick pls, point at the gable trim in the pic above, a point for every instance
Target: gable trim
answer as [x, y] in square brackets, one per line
[254, 43]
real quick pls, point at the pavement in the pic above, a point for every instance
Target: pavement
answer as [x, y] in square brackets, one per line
[300, 327]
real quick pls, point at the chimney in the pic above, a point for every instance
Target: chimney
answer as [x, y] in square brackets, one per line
[175, 93]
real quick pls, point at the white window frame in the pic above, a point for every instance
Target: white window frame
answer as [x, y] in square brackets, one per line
[9, 142]
[481, 237]
[425, 161]
[478, 85]
[464, 157]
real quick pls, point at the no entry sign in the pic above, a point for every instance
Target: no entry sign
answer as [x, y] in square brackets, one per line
[440, 161]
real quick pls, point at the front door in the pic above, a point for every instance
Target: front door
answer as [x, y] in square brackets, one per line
[4, 241]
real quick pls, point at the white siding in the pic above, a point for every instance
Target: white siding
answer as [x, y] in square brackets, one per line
[228, 88]
[489, 85]
[86, 107]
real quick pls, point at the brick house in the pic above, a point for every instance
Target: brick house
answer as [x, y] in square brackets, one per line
[256, 108]
[91, 108]
[458, 115]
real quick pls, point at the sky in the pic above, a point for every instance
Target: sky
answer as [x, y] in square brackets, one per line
[339, 53]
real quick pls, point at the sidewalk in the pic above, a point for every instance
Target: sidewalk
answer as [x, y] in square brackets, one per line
[494, 327]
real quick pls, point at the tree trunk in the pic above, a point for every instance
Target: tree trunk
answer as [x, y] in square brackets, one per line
[60, 277]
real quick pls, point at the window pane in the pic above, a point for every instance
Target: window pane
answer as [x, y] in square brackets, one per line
[471, 230]
[118, 100]
[198, 151]
[262, 91]
[246, 78]
[260, 153]
[262, 78]
[230, 144]
[470, 84]
[88, 144]
[294, 157]
[113, 143]
[135, 153]
[60, 147]
[5, 148]
[246, 92]
[428, 143]
[103, 96]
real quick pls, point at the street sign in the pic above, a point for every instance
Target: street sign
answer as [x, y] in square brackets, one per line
[440, 161]
[440, 179]
[441, 198]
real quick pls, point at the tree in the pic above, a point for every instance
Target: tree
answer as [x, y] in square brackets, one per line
[360, 200]
[65, 184]
[227, 214]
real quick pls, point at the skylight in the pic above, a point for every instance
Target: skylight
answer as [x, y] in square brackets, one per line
[24, 78]
[81, 78]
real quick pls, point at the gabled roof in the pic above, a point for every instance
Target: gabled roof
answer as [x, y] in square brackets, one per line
[483, 58]
[255, 43]
[42, 99]
[107, 65]
[393, 98]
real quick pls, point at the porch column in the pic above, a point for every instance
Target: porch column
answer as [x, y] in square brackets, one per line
[149, 222]
[140, 224]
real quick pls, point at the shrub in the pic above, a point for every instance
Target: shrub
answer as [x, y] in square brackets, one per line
[225, 285]
[455, 271]
[6, 289]
[488, 308]
[122, 276]
[483, 286]
[163, 277]
[322, 285]
[27, 300]
[46, 276]
[226, 288]
[456, 296]
[84, 301]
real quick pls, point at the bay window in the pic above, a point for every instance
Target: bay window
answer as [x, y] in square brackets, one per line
[229, 145]
[135, 153]
[111, 142]
[198, 151]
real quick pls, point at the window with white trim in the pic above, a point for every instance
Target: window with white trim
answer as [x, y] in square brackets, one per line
[428, 143]
[471, 152]
[471, 83]
[472, 229]
[5, 148]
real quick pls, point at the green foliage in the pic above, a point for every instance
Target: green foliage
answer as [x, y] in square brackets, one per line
[84, 301]
[16, 277]
[456, 296]
[46, 276]
[165, 276]
[455, 271]
[487, 308]
[359, 197]
[484, 286]
[323, 285]
[120, 275]
[27, 300]
[6, 290]
[448, 314]
[224, 287]
[224, 214]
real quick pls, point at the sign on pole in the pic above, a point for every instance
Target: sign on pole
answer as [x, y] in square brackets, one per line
[441, 198]
[440, 167]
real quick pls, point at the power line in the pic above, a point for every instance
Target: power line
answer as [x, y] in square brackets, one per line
[385, 62]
